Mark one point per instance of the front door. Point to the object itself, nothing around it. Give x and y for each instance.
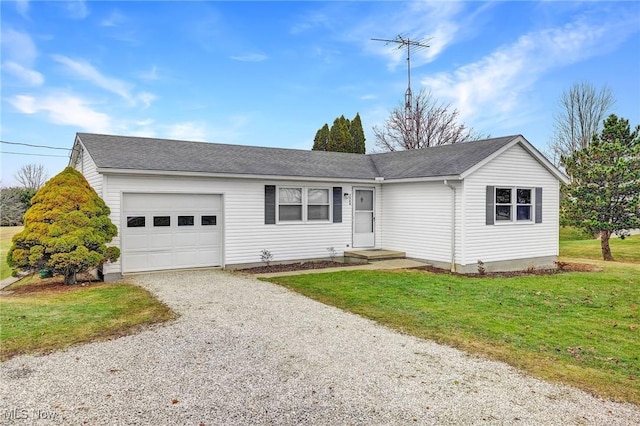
(363, 218)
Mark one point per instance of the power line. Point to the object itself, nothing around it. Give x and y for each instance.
(35, 146)
(37, 155)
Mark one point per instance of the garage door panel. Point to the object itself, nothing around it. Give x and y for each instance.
(135, 242)
(162, 244)
(160, 260)
(208, 238)
(205, 256)
(135, 262)
(186, 258)
(161, 241)
(186, 239)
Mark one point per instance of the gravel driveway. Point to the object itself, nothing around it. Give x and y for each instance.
(248, 352)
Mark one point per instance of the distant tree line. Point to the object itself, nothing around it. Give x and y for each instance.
(15, 200)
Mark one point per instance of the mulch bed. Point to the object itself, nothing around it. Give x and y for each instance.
(286, 267)
(562, 267)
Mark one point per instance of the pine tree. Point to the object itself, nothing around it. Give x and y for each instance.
(344, 136)
(65, 229)
(604, 193)
(358, 135)
(321, 140)
(340, 139)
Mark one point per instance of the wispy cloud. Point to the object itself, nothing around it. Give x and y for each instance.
(19, 54)
(64, 109)
(77, 9)
(250, 57)
(115, 19)
(146, 98)
(88, 72)
(437, 24)
(18, 47)
(22, 6)
(27, 76)
(496, 86)
(188, 130)
(150, 75)
(310, 21)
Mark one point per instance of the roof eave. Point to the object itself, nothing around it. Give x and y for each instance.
(140, 172)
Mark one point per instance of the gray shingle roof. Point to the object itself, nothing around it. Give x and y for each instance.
(444, 160)
(136, 153)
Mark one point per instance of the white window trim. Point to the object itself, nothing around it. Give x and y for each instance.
(305, 205)
(514, 206)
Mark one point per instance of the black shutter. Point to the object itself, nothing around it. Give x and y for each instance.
(490, 206)
(337, 204)
(538, 205)
(269, 204)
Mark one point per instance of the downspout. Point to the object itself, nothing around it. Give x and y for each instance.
(453, 225)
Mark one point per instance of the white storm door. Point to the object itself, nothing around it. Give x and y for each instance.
(363, 218)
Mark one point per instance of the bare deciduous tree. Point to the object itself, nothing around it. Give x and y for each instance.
(426, 123)
(582, 110)
(31, 176)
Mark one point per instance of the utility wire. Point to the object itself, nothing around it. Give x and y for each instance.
(37, 155)
(35, 146)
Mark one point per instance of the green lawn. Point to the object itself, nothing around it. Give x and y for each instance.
(6, 233)
(627, 250)
(581, 328)
(39, 318)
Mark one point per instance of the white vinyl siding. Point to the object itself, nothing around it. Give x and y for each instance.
(416, 219)
(244, 233)
(515, 168)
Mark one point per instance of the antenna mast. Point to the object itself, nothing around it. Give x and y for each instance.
(402, 42)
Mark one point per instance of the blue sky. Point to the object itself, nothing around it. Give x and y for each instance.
(272, 73)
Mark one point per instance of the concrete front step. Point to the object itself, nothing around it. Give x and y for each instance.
(375, 254)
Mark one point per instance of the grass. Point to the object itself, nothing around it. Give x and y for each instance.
(627, 250)
(581, 328)
(42, 316)
(572, 233)
(6, 233)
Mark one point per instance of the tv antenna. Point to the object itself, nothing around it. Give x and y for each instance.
(403, 42)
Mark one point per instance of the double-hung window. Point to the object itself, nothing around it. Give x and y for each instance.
(303, 204)
(317, 204)
(523, 204)
(290, 204)
(513, 203)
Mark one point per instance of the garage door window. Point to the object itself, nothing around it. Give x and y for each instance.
(162, 221)
(135, 221)
(208, 221)
(185, 220)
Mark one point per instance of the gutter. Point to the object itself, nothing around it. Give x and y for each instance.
(453, 224)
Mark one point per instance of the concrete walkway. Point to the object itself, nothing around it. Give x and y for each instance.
(377, 265)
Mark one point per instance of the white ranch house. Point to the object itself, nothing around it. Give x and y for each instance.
(180, 204)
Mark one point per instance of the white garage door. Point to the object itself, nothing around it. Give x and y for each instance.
(171, 231)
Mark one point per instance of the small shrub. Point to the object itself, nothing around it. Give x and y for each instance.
(266, 256)
(481, 269)
(332, 253)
